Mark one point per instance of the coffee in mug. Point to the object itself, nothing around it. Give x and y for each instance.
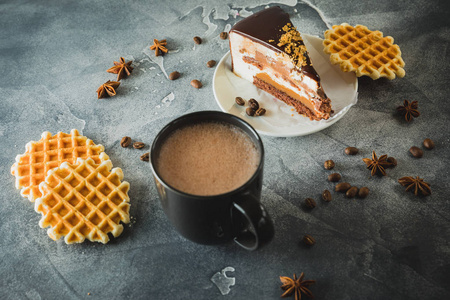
(208, 158)
(208, 170)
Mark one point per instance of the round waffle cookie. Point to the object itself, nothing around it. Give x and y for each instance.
(84, 200)
(49, 152)
(363, 51)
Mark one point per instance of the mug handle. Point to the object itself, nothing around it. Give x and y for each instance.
(256, 228)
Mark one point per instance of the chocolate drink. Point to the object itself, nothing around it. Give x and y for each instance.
(208, 158)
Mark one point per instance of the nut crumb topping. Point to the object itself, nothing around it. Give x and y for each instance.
(294, 46)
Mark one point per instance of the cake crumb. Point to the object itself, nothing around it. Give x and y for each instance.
(293, 44)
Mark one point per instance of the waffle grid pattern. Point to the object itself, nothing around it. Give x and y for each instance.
(363, 51)
(85, 200)
(50, 152)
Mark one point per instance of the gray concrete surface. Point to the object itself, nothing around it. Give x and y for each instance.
(391, 245)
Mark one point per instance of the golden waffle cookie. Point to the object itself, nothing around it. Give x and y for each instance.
(364, 51)
(84, 200)
(50, 152)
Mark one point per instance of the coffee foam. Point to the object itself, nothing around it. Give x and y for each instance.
(208, 158)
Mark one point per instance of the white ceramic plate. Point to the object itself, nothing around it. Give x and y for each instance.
(280, 119)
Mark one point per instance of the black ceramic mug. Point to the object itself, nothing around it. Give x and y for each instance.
(216, 219)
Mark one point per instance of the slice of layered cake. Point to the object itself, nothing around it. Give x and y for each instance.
(267, 49)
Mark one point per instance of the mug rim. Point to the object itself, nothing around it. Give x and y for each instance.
(191, 115)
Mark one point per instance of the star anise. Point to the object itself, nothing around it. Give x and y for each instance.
(377, 165)
(121, 68)
(297, 286)
(159, 46)
(107, 89)
(409, 110)
(417, 183)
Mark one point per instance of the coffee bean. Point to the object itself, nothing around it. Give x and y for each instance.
(334, 177)
(392, 161)
(351, 150)
(196, 83)
(428, 143)
(197, 40)
(253, 104)
(211, 63)
(363, 192)
(416, 152)
(240, 101)
(174, 75)
(250, 111)
(326, 195)
(145, 156)
(308, 240)
(223, 35)
(138, 145)
(260, 111)
(329, 164)
(310, 203)
(125, 141)
(342, 187)
(351, 193)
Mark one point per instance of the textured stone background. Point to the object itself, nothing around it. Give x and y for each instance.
(392, 245)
